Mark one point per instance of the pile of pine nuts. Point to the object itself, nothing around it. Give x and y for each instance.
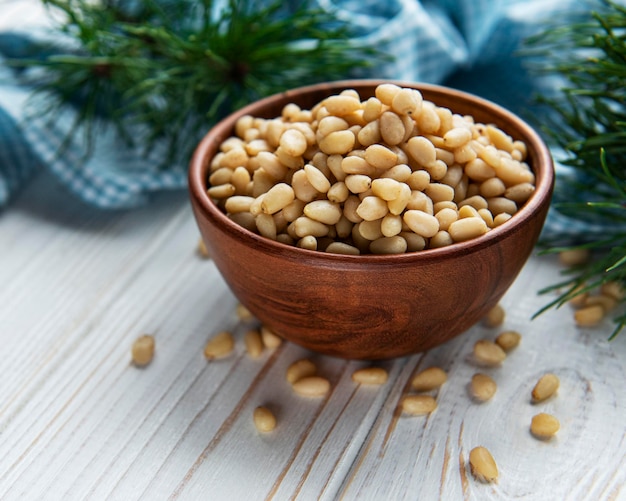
(390, 174)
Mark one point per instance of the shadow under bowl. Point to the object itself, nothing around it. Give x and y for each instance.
(371, 306)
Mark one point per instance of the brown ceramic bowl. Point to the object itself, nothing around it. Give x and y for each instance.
(371, 306)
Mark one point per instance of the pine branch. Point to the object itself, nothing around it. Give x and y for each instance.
(165, 70)
(587, 120)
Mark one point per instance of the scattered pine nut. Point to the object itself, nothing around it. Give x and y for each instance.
(264, 419)
(589, 316)
(418, 405)
(488, 353)
(311, 386)
(142, 350)
(482, 387)
(607, 302)
(482, 465)
(370, 375)
(300, 369)
(243, 313)
(253, 342)
(613, 289)
(202, 250)
(578, 300)
(508, 340)
(547, 386)
(544, 426)
(573, 257)
(429, 379)
(219, 346)
(270, 339)
(494, 317)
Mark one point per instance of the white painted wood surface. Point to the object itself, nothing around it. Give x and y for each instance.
(79, 422)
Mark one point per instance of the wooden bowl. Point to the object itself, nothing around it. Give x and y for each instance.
(371, 306)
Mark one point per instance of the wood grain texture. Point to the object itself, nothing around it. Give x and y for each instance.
(78, 421)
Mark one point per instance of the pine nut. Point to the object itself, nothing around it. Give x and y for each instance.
(429, 379)
(441, 239)
(388, 245)
(544, 426)
(508, 340)
(418, 405)
(221, 191)
(482, 387)
(499, 205)
(243, 313)
(219, 346)
(589, 316)
(372, 208)
(483, 465)
(293, 142)
(339, 142)
(607, 302)
(547, 386)
(391, 128)
(142, 351)
(407, 102)
(494, 317)
(278, 197)
(323, 211)
(391, 225)
(317, 179)
(386, 92)
(370, 375)
(305, 226)
(341, 105)
(202, 249)
(311, 386)
(372, 108)
(613, 289)
(264, 419)
(457, 137)
(421, 223)
(519, 193)
(422, 151)
(467, 228)
(493, 187)
(397, 205)
(387, 188)
(488, 353)
(343, 248)
(428, 121)
(270, 339)
(254, 343)
(300, 369)
(380, 156)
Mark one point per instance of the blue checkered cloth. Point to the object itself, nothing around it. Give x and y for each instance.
(467, 44)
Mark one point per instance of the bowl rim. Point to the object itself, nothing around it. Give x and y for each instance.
(544, 184)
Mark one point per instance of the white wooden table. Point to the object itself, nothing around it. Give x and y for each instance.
(79, 421)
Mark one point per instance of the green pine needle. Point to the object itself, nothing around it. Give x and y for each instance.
(171, 69)
(587, 120)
